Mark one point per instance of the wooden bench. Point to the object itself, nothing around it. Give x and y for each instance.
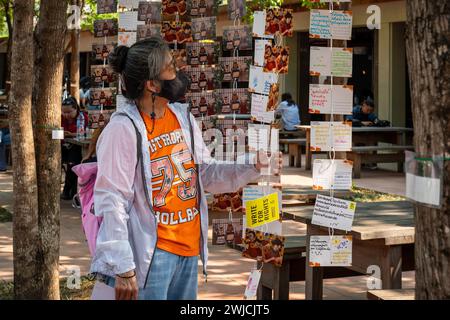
(394, 294)
(365, 154)
(295, 150)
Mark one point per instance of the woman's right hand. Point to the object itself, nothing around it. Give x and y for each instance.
(126, 288)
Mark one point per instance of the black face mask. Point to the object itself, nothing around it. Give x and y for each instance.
(174, 90)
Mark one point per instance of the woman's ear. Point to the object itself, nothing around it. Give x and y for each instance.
(153, 86)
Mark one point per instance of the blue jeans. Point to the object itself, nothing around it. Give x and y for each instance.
(171, 277)
(5, 139)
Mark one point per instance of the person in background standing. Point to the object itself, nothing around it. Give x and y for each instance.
(71, 153)
(289, 112)
(5, 139)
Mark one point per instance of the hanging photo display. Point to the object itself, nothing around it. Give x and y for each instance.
(202, 78)
(276, 59)
(106, 6)
(279, 21)
(266, 245)
(180, 58)
(102, 74)
(172, 8)
(225, 202)
(335, 25)
(128, 4)
(327, 99)
(98, 118)
(149, 12)
(127, 38)
(337, 62)
(147, 31)
(102, 51)
(202, 103)
(226, 231)
(260, 81)
(235, 69)
(236, 9)
(234, 100)
(106, 28)
(204, 28)
(202, 53)
(239, 37)
(177, 31)
(326, 251)
(105, 97)
(205, 8)
(128, 21)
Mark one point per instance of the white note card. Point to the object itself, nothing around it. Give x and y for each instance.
(333, 213)
(128, 21)
(252, 284)
(259, 109)
(332, 174)
(258, 137)
(327, 99)
(260, 81)
(260, 49)
(326, 251)
(337, 62)
(328, 135)
(331, 25)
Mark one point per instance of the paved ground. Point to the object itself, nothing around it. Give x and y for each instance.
(228, 271)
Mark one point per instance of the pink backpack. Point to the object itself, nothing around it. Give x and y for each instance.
(87, 173)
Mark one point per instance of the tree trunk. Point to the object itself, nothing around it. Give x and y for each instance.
(9, 23)
(27, 254)
(75, 60)
(50, 40)
(428, 53)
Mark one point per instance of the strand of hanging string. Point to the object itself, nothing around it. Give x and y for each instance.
(332, 152)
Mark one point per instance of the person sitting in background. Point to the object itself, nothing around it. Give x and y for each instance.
(364, 113)
(5, 139)
(289, 112)
(71, 153)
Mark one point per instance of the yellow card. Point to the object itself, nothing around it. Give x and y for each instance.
(262, 210)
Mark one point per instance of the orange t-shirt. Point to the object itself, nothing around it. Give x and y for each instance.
(174, 185)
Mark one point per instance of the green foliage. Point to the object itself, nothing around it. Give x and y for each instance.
(312, 5)
(258, 5)
(90, 15)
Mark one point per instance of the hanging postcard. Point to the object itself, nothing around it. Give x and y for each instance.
(326, 251)
(268, 246)
(128, 4)
(127, 38)
(260, 81)
(103, 96)
(327, 99)
(204, 28)
(177, 31)
(106, 6)
(333, 213)
(102, 51)
(238, 37)
(202, 53)
(201, 8)
(106, 28)
(236, 9)
(149, 12)
(147, 31)
(279, 21)
(233, 100)
(128, 21)
(326, 136)
(102, 74)
(260, 51)
(335, 25)
(332, 174)
(276, 59)
(172, 8)
(337, 62)
(235, 69)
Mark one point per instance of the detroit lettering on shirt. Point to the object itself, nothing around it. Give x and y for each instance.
(174, 186)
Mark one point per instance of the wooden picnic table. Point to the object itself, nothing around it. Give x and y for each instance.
(383, 235)
(369, 136)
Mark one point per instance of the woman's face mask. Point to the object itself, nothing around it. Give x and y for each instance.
(174, 90)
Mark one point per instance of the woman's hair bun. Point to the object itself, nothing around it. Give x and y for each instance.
(118, 58)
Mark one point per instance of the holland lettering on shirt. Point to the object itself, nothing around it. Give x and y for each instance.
(172, 218)
(165, 140)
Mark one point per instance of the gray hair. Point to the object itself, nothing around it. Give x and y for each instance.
(139, 63)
